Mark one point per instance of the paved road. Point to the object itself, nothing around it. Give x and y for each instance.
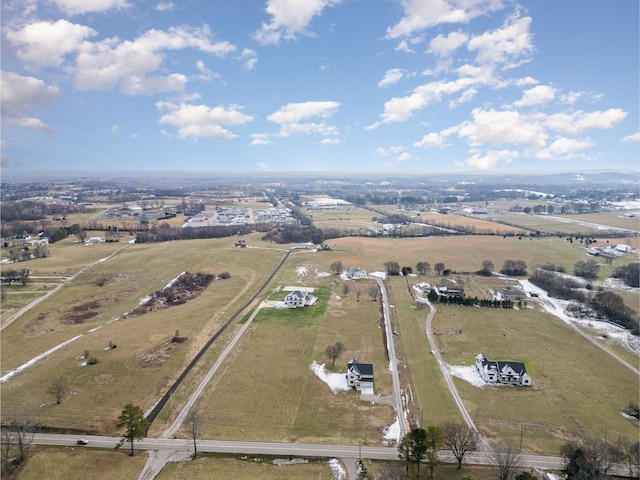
(161, 445)
(393, 361)
(554, 307)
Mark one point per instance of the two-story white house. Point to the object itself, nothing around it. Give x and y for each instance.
(355, 273)
(502, 372)
(360, 376)
(298, 298)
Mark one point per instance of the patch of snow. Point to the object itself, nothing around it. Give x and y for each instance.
(336, 381)
(10, 374)
(338, 472)
(322, 274)
(174, 280)
(382, 275)
(392, 432)
(338, 298)
(302, 270)
(468, 374)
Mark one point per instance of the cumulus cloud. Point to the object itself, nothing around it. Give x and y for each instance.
(420, 15)
(635, 137)
(202, 120)
(431, 140)
(165, 6)
(563, 148)
(292, 116)
(75, 7)
(443, 46)
(289, 19)
(44, 43)
(261, 139)
(536, 95)
(249, 58)
(391, 76)
(576, 122)
(491, 158)
(510, 44)
(111, 63)
(19, 94)
(400, 109)
(503, 127)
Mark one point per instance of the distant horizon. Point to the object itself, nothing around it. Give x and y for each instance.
(48, 174)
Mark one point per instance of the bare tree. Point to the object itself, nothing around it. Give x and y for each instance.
(507, 460)
(58, 389)
(337, 267)
(194, 421)
(345, 288)
(374, 290)
(393, 268)
(16, 437)
(439, 268)
(358, 291)
(423, 267)
(334, 351)
(460, 439)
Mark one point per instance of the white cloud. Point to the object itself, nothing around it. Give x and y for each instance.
(525, 81)
(404, 156)
(289, 19)
(510, 44)
(202, 120)
(74, 7)
(19, 94)
(249, 57)
(635, 137)
(536, 95)
(261, 139)
(205, 73)
(563, 148)
(571, 97)
(431, 140)
(400, 109)
(111, 63)
(491, 158)
(444, 46)
(44, 43)
(165, 6)
(579, 121)
(291, 116)
(503, 127)
(391, 76)
(420, 15)
(135, 85)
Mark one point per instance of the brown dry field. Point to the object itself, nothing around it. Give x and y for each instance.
(94, 300)
(245, 399)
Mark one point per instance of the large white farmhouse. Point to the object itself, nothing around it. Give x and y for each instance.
(492, 371)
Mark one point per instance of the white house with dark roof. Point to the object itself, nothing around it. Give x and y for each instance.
(298, 298)
(502, 372)
(355, 273)
(360, 376)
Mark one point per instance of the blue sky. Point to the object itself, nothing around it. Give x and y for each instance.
(320, 85)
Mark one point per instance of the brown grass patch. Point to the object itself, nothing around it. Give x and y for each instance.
(160, 354)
